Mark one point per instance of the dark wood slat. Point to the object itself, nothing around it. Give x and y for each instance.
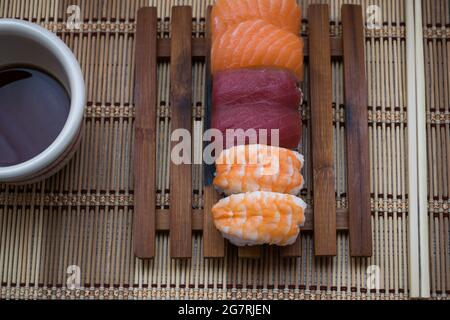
(294, 250)
(335, 47)
(163, 220)
(322, 131)
(145, 134)
(253, 252)
(213, 242)
(199, 48)
(357, 132)
(181, 118)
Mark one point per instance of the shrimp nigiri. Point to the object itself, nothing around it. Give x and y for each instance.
(257, 167)
(256, 218)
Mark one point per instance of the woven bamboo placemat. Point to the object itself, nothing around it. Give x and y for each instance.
(82, 216)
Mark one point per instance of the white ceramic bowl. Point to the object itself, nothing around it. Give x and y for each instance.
(25, 43)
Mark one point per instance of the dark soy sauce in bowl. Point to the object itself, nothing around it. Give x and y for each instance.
(34, 107)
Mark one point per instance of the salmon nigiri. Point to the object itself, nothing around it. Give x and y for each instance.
(256, 43)
(246, 168)
(284, 14)
(259, 217)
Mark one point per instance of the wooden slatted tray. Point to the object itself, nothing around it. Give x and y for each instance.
(180, 219)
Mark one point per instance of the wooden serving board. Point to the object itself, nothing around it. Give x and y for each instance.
(323, 218)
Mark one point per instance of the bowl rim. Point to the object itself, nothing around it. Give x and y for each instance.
(74, 120)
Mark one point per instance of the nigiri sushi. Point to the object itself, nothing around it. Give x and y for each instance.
(242, 124)
(284, 14)
(256, 43)
(255, 88)
(259, 217)
(247, 168)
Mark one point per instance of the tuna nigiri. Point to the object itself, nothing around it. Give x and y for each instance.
(258, 168)
(259, 217)
(256, 43)
(242, 124)
(284, 14)
(255, 88)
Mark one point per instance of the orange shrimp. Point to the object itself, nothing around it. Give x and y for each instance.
(258, 167)
(259, 217)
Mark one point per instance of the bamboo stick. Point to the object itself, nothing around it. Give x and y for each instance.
(417, 154)
(414, 251)
(421, 155)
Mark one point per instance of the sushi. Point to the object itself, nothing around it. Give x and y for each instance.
(247, 168)
(255, 88)
(243, 124)
(284, 14)
(259, 217)
(256, 61)
(256, 43)
(264, 99)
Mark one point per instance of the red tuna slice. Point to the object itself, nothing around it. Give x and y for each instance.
(255, 88)
(247, 116)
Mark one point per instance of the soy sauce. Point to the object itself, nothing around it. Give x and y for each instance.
(34, 107)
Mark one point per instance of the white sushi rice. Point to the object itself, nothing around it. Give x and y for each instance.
(299, 157)
(303, 205)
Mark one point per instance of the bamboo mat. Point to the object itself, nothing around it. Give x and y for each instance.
(83, 215)
(436, 23)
